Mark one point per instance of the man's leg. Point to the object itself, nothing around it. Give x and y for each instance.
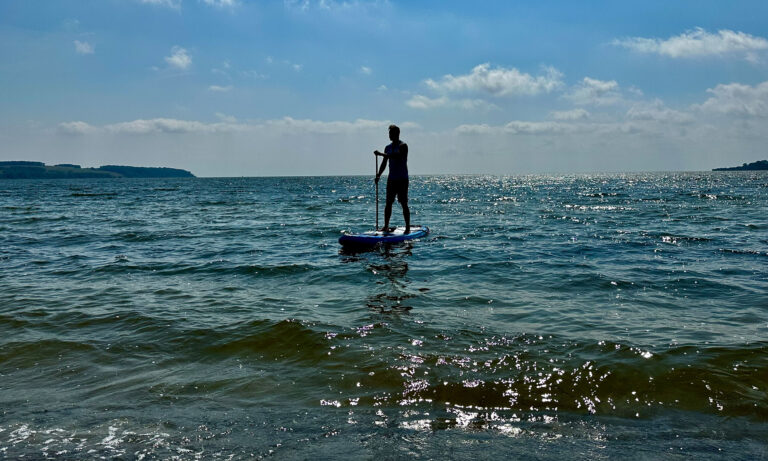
(402, 196)
(387, 215)
(388, 206)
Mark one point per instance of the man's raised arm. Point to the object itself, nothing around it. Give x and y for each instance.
(383, 164)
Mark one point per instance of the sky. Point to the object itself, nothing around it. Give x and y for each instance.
(309, 87)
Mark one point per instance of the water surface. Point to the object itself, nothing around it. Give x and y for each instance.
(588, 316)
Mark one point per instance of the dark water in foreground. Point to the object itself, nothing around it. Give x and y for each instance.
(544, 317)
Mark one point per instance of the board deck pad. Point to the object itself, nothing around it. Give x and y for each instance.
(371, 238)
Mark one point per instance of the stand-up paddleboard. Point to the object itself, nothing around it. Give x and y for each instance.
(375, 237)
(372, 238)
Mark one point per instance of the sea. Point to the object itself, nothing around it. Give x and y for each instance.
(594, 316)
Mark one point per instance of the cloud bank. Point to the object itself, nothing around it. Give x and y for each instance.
(499, 81)
(737, 99)
(423, 102)
(574, 114)
(591, 91)
(227, 125)
(698, 43)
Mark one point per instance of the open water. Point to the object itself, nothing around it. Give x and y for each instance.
(545, 317)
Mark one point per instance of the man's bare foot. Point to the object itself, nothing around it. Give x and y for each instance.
(386, 229)
(408, 229)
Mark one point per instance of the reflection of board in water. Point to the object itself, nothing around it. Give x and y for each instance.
(394, 281)
(372, 238)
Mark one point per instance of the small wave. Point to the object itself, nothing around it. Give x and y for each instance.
(214, 203)
(41, 219)
(146, 236)
(604, 378)
(286, 339)
(137, 236)
(599, 207)
(27, 353)
(744, 252)
(675, 239)
(603, 194)
(93, 194)
(217, 267)
(715, 196)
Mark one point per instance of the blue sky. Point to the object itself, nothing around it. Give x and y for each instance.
(238, 87)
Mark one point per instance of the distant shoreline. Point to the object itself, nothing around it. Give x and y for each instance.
(754, 166)
(38, 170)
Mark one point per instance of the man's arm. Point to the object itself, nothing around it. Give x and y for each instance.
(402, 151)
(383, 165)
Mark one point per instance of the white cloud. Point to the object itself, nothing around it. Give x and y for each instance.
(475, 129)
(353, 6)
(658, 112)
(296, 67)
(254, 75)
(591, 91)
(223, 70)
(175, 4)
(302, 5)
(564, 127)
(522, 127)
(698, 43)
(83, 47)
(221, 3)
(225, 118)
(71, 25)
(366, 70)
(525, 127)
(737, 99)
(520, 146)
(179, 58)
(169, 125)
(335, 127)
(229, 124)
(499, 81)
(574, 114)
(220, 89)
(76, 128)
(423, 102)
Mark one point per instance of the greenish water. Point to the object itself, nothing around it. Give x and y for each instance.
(589, 316)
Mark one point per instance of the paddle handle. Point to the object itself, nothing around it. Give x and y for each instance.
(375, 172)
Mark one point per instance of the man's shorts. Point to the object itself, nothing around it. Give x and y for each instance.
(397, 188)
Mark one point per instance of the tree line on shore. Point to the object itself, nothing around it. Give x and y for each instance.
(23, 169)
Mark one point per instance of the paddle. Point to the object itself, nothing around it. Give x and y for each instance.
(375, 172)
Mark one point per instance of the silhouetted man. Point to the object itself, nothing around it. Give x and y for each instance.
(396, 154)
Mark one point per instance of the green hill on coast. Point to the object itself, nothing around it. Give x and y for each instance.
(39, 170)
(759, 165)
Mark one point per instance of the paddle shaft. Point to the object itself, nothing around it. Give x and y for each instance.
(375, 173)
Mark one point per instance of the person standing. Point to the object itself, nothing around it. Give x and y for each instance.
(396, 156)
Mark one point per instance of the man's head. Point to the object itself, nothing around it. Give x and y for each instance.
(394, 133)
